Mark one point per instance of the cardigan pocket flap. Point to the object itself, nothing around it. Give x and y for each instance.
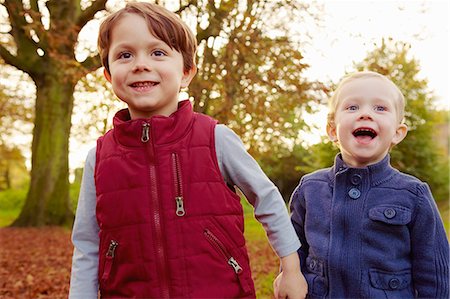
(395, 215)
(390, 280)
(314, 265)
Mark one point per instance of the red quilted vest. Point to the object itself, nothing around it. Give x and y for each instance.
(169, 225)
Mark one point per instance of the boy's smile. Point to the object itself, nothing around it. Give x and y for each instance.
(366, 123)
(143, 86)
(145, 72)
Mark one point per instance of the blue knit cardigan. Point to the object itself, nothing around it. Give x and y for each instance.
(370, 232)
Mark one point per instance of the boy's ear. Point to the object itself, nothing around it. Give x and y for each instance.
(107, 75)
(188, 76)
(331, 131)
(400, 134)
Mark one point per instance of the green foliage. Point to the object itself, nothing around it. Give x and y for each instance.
(12, 199)
(74, 190)
(13, 173)
(11, 202)
(422, 153)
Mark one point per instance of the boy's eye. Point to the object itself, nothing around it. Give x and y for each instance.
(158, 53)
(124, 55)
(380, 108)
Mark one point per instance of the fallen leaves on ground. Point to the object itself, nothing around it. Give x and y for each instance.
(35, 262)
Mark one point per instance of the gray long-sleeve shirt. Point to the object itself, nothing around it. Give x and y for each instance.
(237, 168)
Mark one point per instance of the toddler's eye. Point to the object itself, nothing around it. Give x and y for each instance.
(158, 53)
(380, 108)
(352, 107)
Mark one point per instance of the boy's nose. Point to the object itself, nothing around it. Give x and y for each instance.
(141, 65)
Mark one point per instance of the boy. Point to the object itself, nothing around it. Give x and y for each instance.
(155, 217)
(368, 230)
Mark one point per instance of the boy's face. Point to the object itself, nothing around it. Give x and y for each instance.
(144, 71)
(366, 123)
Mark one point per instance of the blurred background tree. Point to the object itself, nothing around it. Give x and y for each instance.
(41, 41)
(15, 118)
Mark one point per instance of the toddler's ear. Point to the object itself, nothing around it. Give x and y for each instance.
(331, 131)
(188, 76)
(107, 75)
(400, 134)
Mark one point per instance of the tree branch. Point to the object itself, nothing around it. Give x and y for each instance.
(89, 13)
(34, 5)
(91, 63)
(183, 7)
(16, 16)
(11, 59)
(40, 31)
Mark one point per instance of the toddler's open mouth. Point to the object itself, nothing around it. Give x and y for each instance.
(364, 133)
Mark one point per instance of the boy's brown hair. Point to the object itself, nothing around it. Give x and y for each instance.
(162, 23)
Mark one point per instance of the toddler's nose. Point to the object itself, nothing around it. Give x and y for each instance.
(365, 114)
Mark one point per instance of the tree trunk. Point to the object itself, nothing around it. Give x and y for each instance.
(48, 201)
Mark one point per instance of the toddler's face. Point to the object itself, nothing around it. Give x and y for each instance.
(145, 72)
(366, 123)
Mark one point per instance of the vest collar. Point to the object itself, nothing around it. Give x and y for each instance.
(162, 129)
(378, 173)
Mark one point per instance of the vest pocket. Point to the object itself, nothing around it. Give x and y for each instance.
(109, 259)
(178, 185)
(218, 245)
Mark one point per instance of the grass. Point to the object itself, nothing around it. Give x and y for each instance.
(444, 209)
(263, 260)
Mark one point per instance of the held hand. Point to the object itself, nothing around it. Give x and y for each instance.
(291, 286)
(290, 283)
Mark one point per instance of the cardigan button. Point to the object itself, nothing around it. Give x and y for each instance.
(354, 193)
(355, 179)
(389, 213)
(394, 283)
(312, 264)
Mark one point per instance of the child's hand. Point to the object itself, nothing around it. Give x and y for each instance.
(290, 286)
(290, 283)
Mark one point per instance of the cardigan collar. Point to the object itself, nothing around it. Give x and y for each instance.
(378, 172)
(161, 129)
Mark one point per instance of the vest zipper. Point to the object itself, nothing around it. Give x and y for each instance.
(220, 247)
(176, 169)
(109, 259)
(159, 240)
(145, 135)
(216, 243)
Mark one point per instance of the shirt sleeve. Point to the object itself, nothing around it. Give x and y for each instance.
(84, 279)
(240, 169)
(430, 248)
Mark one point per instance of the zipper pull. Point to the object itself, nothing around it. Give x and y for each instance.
(233, 263)
(180, 206)
(145, 128)
(112, 248)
